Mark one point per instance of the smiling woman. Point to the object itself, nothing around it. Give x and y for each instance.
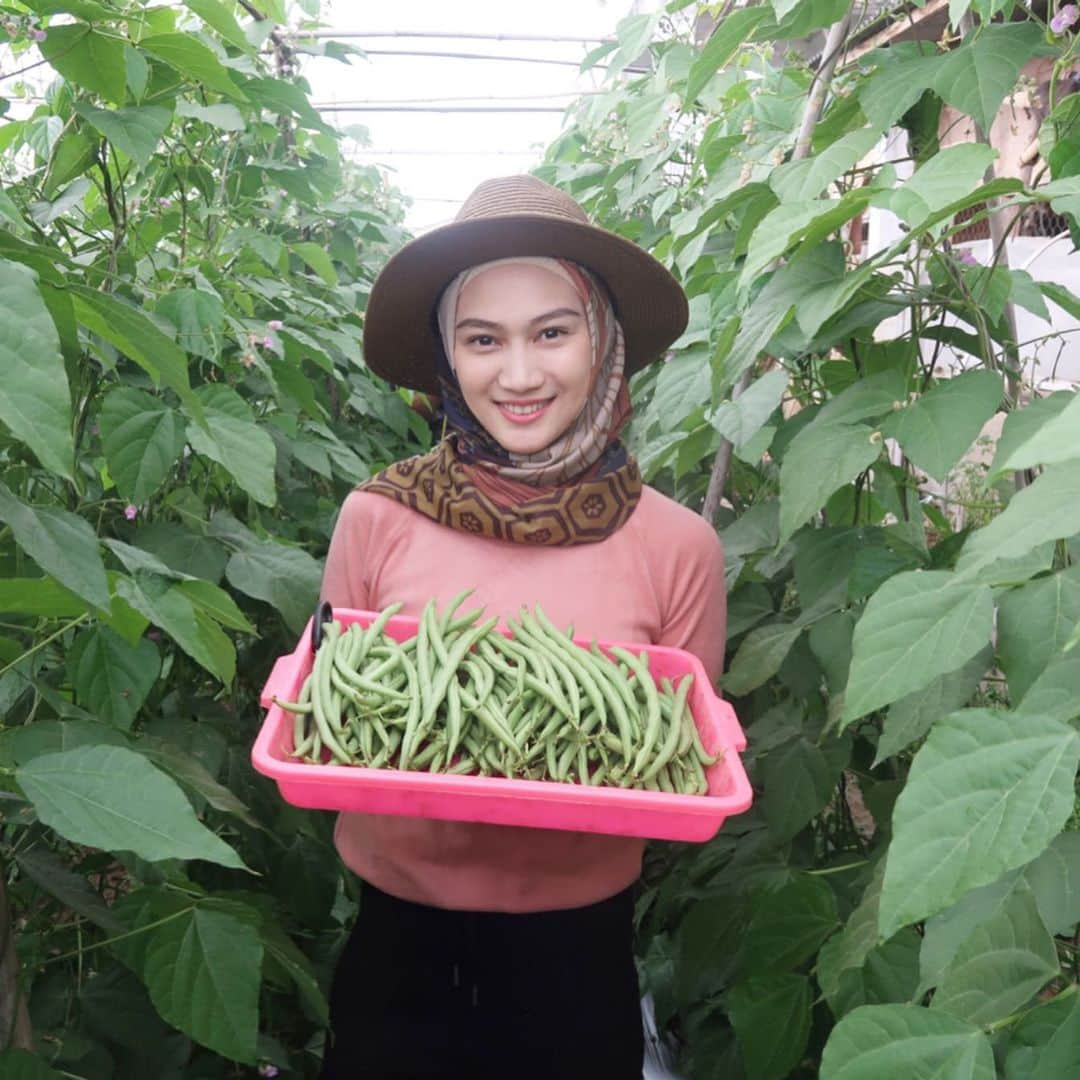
(527, 320)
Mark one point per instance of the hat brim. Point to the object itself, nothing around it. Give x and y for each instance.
(401, 344)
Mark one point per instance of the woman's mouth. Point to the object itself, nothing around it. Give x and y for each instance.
(523, 412)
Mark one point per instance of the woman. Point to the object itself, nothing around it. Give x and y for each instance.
(485, 950)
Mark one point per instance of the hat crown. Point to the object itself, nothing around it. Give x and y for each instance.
(512, 196)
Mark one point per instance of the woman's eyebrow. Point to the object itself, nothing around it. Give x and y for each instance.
(487, 324)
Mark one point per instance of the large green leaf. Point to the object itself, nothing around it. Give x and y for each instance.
(167, 606)
(315, 256)
(910, 718)
(218, 15)
(202, 966)
(142, 439)
(799, 780)
(18, 1064)
(940, 426)
(112, 798)
(824, 456)
(1023, 425)
(726, 39)
(61, 543)
(55, 875)
(288, 578)
(1054, 878)
(193, 60)
(917, 626)
(847, 951)
(88, 58)
(135, 131)
(1044, 1043)
(741, 419)
(35, 402)
(135, 335)
(948, 176)
(1006, 960)
(1057, 439)
(807, 179)
(112, 678)
(905, 1041)
(896, 86)
(771, 1017)
(976, 77)
(223, 116)
(1034, 623)
(39, 596)
(1048, 509)
(199, 318)
(987, 791)
(236, 442)
(790, 924)
(759, 657)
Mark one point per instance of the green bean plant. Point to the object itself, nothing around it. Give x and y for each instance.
(903, 897)
(185, 257)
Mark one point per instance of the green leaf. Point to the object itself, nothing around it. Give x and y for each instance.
(1044, 1043)
(976, 77)
(61, 543)
(725, 41)
(799, 781)
(905, 1041)
(287, 578)
(1056, 692)
(1057, 439)
(740, 420)
(88, 58)
(77, 793)
(280, 948)
(1054, 878)
(1048, 509)
(771, 1017)
(947, 177)
(28, 741)
(220, 18)
(22, 1065)
(236, 442)
(217, 603)
(224, 117)
(51, 873)
(35, 402)
(910, 718)
(315, 256)
(808, 179)
(39, 596)
(1005, 961)
(202, 968)
(167, 607)
(896, 86)
(824, 456)
(111, 678)
(194, 60)
(937, 429)
(780, 228)
(1034, 623)
(1024, 424)
(847, 951)
(790, 924)
(917, 626)
(135, 335)
(986, 792)
(142, 439)
(759, 657)
(134, 131)
(199, 318)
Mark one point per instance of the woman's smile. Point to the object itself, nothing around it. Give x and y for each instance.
(524, 412)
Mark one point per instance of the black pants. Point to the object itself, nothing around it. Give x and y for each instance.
(424, 992)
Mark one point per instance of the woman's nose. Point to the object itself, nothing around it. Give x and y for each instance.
(520, 372)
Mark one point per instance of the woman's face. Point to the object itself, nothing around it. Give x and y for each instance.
(522, 355)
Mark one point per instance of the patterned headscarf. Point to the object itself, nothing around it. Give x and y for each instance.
(579, 489)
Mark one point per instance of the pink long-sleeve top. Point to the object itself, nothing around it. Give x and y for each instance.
(657, 580)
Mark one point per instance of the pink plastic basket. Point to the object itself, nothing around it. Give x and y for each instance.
(497, 800)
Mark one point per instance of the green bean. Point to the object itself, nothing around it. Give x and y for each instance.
(412, 717)
(453, 719)
(674, 731)
(321, 694)
(446, 619)
(455, 657)
(652, 704)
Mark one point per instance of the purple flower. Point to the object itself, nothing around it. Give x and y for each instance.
(267, 342)
(963, 255)
(164, 203)
(275, 324)
(268, 1070)
(131, 511)
(38, 35)
(1065, 18)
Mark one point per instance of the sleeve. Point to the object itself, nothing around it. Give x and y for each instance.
(344, 583)
(695, 616)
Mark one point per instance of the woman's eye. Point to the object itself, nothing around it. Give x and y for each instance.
(483, 340)
(550, 333)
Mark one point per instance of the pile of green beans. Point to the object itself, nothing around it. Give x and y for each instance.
(462, 698)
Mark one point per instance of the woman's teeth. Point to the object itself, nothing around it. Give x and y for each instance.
(524, 410)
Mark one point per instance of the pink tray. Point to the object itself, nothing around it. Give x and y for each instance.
(539, 804)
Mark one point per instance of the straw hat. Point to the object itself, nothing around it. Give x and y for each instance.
(513, 215)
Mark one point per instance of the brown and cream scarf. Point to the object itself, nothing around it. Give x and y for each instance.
(579, 490)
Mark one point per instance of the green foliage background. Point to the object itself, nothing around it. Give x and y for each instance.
(184, 263)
